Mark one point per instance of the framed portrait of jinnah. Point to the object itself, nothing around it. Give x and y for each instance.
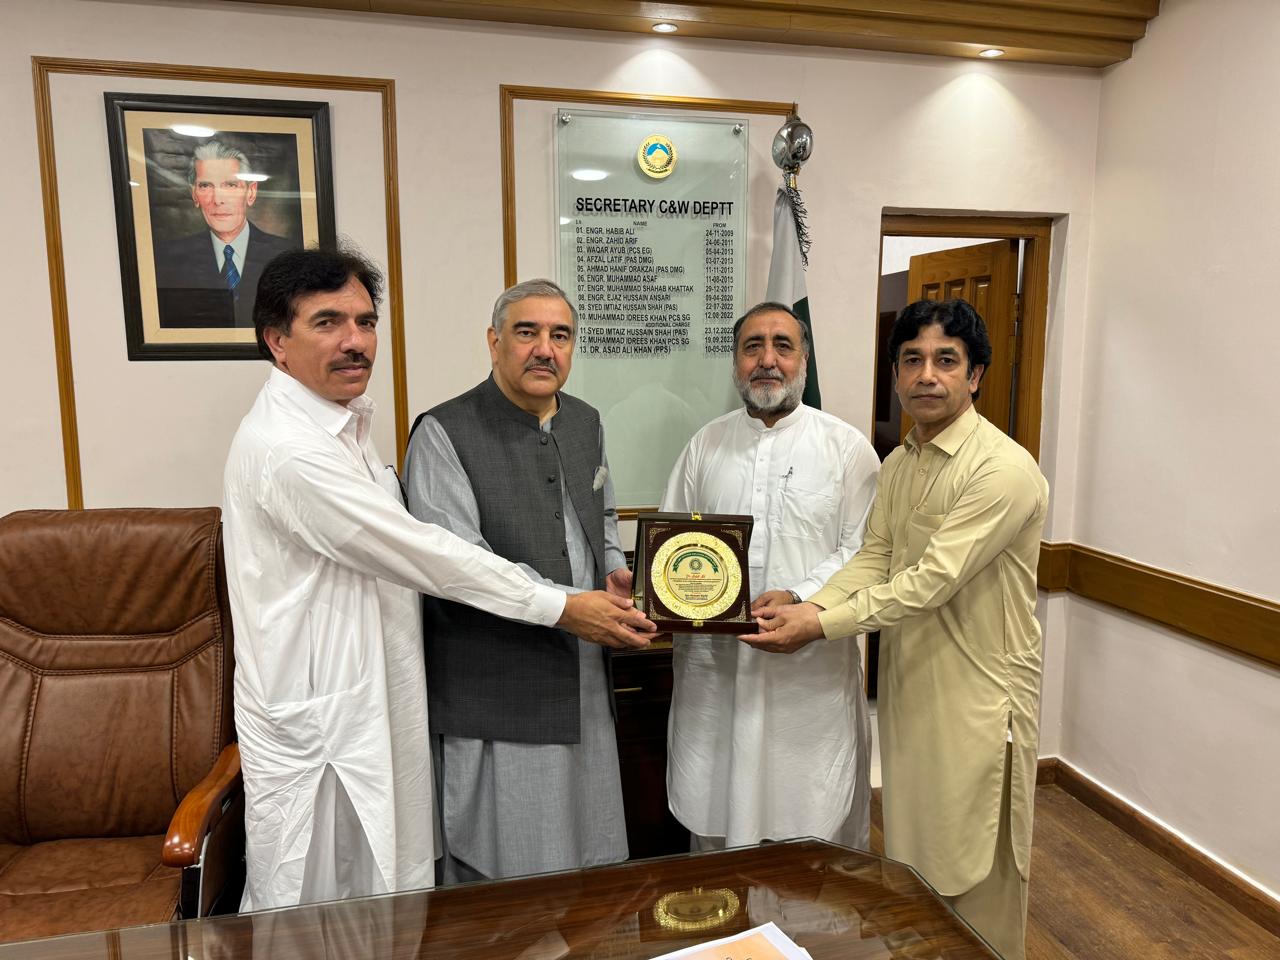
(207, 191)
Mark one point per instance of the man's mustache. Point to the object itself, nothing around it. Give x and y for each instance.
(352, 360)
(768, 375)
(549, 365)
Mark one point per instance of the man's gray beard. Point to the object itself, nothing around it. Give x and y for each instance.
(760, 398)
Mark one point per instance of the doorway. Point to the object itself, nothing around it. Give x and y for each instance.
(1001, 266)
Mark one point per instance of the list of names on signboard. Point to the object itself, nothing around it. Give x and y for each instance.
(652, 221)
(632, 304)
(627, 301)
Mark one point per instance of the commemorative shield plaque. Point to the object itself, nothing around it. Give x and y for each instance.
(690, 572)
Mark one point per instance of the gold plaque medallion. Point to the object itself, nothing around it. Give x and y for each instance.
(696, 575)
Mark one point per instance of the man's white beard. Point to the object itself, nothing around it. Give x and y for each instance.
(771, 396)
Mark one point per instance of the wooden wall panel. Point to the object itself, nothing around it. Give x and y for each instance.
(1055, 559)
(1239, 622)
(1087, 33)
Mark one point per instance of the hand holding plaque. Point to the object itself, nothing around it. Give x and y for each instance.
(691, 572)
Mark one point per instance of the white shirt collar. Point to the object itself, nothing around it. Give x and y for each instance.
(239, 244)
(331, 417)
(792, 418)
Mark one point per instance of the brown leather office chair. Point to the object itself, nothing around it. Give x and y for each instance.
(120, 794)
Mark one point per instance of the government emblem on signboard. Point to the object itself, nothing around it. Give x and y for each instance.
(657, 156)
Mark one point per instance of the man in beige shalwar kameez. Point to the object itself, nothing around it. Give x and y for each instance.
(947, 573)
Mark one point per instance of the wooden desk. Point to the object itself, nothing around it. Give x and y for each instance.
(835, 902)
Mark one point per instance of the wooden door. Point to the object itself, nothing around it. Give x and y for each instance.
(986, 275)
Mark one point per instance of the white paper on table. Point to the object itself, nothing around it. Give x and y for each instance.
(765, 942)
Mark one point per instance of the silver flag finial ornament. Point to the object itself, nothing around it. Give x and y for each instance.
(793, 144)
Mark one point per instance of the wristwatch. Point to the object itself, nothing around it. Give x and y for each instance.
(795, 597)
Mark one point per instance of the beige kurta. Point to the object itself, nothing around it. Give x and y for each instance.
(947, 572)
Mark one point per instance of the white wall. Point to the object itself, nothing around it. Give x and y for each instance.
(1178, 460)
(31, 472)
(892, 131)
(1182, 730)
(1181, 355)
(1051, 611)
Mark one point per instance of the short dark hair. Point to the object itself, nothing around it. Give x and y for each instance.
(957, 318)
(771, 306)
(296, 273)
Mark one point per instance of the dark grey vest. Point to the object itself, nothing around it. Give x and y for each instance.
(495, 679)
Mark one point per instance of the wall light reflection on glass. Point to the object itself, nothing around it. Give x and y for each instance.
(192, 130)
(589, 174)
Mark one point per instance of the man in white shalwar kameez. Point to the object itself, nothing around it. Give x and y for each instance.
(764, 747)
(323, 568)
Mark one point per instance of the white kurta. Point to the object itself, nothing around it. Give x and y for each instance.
(323, 569)
(761, 745)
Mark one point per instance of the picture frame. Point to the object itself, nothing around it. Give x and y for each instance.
(193, 176)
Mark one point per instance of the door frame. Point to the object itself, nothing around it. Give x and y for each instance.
(1036, 231)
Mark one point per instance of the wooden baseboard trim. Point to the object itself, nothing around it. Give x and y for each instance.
(1047, 770)
(1249, 900)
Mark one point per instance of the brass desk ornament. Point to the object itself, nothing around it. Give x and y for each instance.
(696, 910)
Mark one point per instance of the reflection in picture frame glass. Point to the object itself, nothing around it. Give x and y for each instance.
(207, 191)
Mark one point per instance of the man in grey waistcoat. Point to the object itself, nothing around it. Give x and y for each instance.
(521, 716)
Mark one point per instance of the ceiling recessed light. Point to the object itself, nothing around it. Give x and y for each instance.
(589, 175)
(252, 177)
(192, 130)
(665, 27)
(991, 53)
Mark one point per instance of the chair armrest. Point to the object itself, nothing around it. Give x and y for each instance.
(201, 809)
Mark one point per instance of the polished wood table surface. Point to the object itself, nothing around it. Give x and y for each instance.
(833, 901)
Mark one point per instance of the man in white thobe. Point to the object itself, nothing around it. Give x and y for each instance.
(764, 747)
(323, 570)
